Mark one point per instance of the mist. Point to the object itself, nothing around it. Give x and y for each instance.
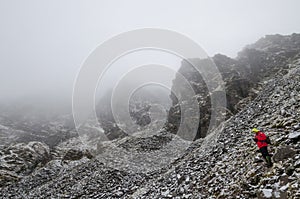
(44, 43)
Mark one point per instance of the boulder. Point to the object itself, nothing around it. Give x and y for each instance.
(76, 154)
(283, 153)
(295, 136)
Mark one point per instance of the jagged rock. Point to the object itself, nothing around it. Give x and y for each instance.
(107, 120)
(20, 159)
(140, 113)
(242, 76)
(77, 154)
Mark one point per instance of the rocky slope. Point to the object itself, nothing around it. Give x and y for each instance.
(28, 141)
(21, 159)
(269, 57)
(223, 164)
(227, 165)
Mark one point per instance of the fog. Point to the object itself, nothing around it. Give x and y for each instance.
(44, 43)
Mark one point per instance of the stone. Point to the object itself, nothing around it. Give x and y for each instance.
(283, 179)
(266, 193)
(290, 170)
(283, 153)
(297, 164)
(295, 136)
(73, 154)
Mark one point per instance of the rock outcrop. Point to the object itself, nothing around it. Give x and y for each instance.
(21, 159)
(270, 57)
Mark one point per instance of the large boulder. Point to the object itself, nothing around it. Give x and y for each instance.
(284, 153)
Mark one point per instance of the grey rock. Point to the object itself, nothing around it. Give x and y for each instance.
(283, 153)
(294, 136)
(290, 170)
(77, 154)
(21, 159)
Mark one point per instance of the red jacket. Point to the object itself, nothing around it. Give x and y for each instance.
(260, 139)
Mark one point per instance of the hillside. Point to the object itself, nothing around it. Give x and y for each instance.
(263, 91)
(270, 57)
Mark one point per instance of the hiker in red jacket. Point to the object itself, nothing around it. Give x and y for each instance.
(262, 143)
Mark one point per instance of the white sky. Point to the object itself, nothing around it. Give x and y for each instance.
(43, 43)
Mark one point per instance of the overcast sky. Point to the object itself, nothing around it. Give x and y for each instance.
(43, 43)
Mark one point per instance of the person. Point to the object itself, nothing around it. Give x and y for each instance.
(262, 143)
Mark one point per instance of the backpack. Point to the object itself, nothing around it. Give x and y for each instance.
(268, 140)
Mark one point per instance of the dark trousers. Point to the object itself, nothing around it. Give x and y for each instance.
(264, 151)
(266, 155)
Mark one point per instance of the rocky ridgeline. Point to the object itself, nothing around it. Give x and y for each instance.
(244, 76)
